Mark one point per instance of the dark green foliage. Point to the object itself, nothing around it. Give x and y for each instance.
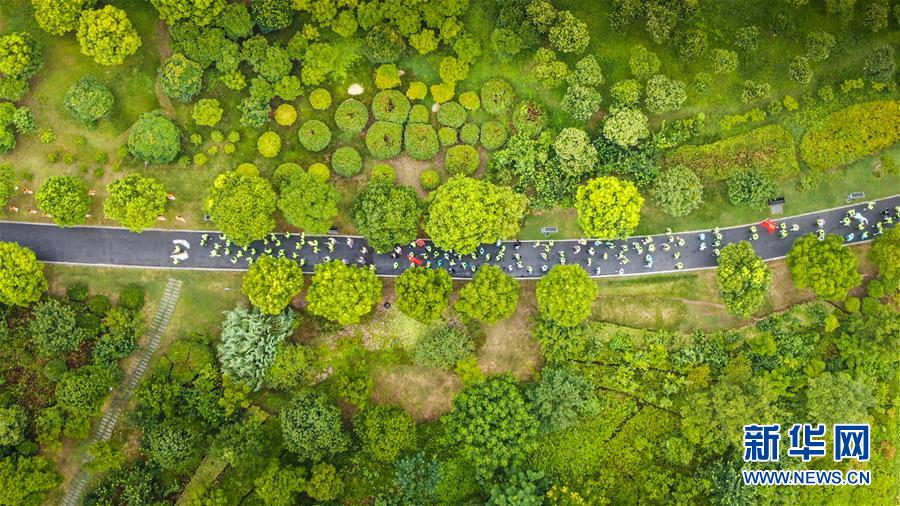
(77, 292)
(311, 427)
(387, 215)
(154, 139)
(309, 203)
(678, 191)
(172, 445)
(384, 44)
(879, 65)
(249, 341)
(384, 139)
(530, 118)
(89, 100)
(751, 188)
(385, 431)
(271, 15)
(444, 347)
(99, 305)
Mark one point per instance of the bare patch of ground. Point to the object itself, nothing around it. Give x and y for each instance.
(509, 346)
(423, 392)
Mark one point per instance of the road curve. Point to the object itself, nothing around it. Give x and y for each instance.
(680, 251)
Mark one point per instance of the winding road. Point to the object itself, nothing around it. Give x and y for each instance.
(205, 250)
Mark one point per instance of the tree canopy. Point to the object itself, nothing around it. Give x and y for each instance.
(825, 267)
(135, 201)
(608, 207)
(566, 294)
(154, 138)
(387, 215)
(343, 293)
(22, 278)
(744, 279)
(311, 427)
(65, 199)
(241, 206)
(309, 203)
(492, 295)
(249, 342)
(423, 293)
(271, 283)
(107, 35)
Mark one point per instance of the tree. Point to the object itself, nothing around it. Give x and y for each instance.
(54, 329)
(241, 206)
(492, 295)
(180, 78)
(385, 431)
(562, 398)
(196, 12)
(58, 17)
(569, 34)
(466, 212)
(311, 427)
(13, 422)
(135, 201)
(574, 151)
(744, 279)
(107, 35)
(800, 70)
(271, 283)
(387, 215)
(879, 65)
(664, 94)
(20, 56)
(271, 15)
(490, 425)
(89, 100)
(724, 61)
(154, 139)
(280, 484)
(566, 295)
(883, 254)
(825, 267)
(324, 483)
(65, 199)
(581, 102)
(309, 203)
(678, 191)
(423, 293)
(343, 293)
(839, 398)
(27, 480)
(608, 207)
(22, 278)
(207, 111)
(750, 187)
(445, 347)
(626, 126)
(249, 342)
(643, 62)
(462, 160)
(172, 445)
(819, 45)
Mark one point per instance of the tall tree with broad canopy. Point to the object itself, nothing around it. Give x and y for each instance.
(135, 201)
(65, 199)
(423, 294)
(58, 17)
(566, 294)
(271, 283)
(884, 254)
(608, 207)
(825, 267)
(343, 293)
(387, 215)
(107, 35)
(154, 138)
(744, 279)
(196, 12)
(54, 329)
(241, 206)
(311, 427)
(22, 278)
(249, 342)
(492, 295)
(464, 213)
(309, 203)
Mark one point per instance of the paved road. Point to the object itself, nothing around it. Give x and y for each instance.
(526, 259)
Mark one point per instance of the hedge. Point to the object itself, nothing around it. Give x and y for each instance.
(351, 116)
(314, 135)
(769, 149)
(384, 139)
(346, 161)
(850, 134)
(420, 141)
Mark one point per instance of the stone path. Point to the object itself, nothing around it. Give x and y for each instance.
(123, 394)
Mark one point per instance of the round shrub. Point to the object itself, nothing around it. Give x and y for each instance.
(384, 139)
(493, 135)
(470, 100)
(247, 169)
(417, 90)
(154, 138)
(451, 114)
(269, 144)
(430, 179)
(470, 133)
(420, 141)
(383, 173)
(447, 136)
(419, 114)
(351, 116)
(321, 171)
(530, 118)
(285, 172)
(320, 99)
(89, 100)
(132, 297)
(314, 135)
(390, 105)
(346, 161)
(285, 115)
(462, 159)
(497, 96)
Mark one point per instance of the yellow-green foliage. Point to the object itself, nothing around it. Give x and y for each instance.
(769, 149)
(852, 133)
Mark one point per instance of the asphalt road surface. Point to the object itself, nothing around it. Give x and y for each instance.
(674, 252)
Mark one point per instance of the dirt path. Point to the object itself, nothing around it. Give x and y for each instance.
(164, 46)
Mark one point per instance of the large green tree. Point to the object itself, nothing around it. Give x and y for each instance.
(309, 203)
(608, 207)
(58, 17)
(154, 138)
(566, 294)
(311, 427)
(107, 35)
(135, 201)
(241, 206)
(562, 398)
(825, 267)
(744, 279)
(249, 342)
(466, 212)
(387, 215)
(884, 255)
(271, 283)
(27, 480)
(196, 12)
(385, 431)
(678, 191)
(22, 278)
(65, 199)
(54, 329)
(20, 56)
(343, 293)
(89, 100)
(423, 293)
(491, 295)
(181, 78)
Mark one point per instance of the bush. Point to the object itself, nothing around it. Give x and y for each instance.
(462, 159)
(180, 78)
(664, 94)
(284, 172)
(800, 70)
(850, 134)
(269, 144)
(493, 135)
(470, 100)
(247, 169)
(387, 77)
(65, 198)
(384, 173)
(430, 179)
(677, 191)
(132, 297)
(754, 91)
(320, 171)
(88, 100)
(154, 138)
(879, 65)
(530, 118)
(314, 135)
(351, 116)
(497, 96)
(469, 134)
(751, 188)
(451, 114)
(423, 293)
(384, 139)
(643, 62)
(417, 91)
(444, 347)
(419, 114)
(626, 93)
(390, 105)
(566, 295)
(99, 305)
(320, 99)
(77, 292)
(625, 126)
(448, 136)
(420, 141)
(346, 161)
(285, 115)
